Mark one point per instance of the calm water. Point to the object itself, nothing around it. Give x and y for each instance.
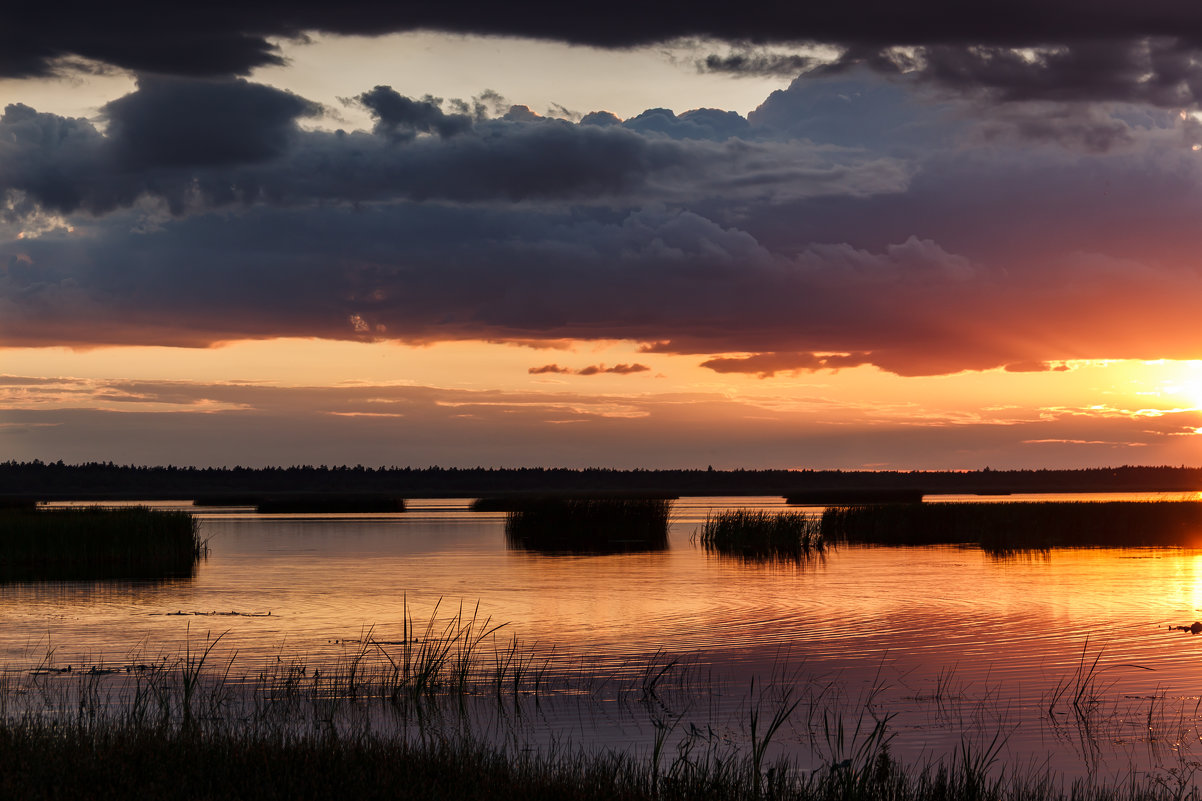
(955, 644)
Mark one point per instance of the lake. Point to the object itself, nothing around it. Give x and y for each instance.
(946, 645)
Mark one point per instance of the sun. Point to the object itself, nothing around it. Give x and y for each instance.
(1182, 383)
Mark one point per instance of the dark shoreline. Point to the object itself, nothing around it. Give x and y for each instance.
(106, 481)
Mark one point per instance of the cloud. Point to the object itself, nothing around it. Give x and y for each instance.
(173, 122)
(752, 62)
(592, 369)
(401, 118)
(766, 365)
(961, 43)
(1035, 367)
(927, 244)
(198, 145)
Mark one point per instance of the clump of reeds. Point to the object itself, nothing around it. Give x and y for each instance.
(94, 543)
(1014, 526)
(589, 525)
(759, 535)
(331, 504)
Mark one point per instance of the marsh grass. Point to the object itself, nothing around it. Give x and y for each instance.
(761, 536)
(330, 504)
(182, 728)
(95, 543)
(1005, 527)
(589, 525)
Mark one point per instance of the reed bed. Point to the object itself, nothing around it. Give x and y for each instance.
(762, 536)
(590, 525)
(1005, 527)
(331, 504)
(95, 543)
(184, 728)
(74, 749)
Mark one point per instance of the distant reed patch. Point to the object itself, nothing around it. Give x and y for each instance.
(762, 536)
(94, 543)
(589, 525)
(331, 504)
(1015, 526)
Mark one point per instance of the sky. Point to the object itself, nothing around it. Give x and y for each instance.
(871, 236)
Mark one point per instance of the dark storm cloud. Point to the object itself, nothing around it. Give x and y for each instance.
(171, 122)
(225, 38)
(400, 117)
(933, 245)
(202, 144)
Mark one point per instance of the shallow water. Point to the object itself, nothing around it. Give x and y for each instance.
(955, 644)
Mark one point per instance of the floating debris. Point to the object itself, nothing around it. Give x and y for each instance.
(1196, 628)
(211, 614)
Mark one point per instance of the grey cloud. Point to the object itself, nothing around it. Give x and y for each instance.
(705, 123)
(602, 118)
(751, 62)
(139, 35)
(173, 122)
(961, 252)
(400, 117)
(249, 150)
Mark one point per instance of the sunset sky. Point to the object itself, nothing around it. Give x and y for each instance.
(837, 235)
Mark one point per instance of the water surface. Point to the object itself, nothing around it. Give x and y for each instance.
(951, 642)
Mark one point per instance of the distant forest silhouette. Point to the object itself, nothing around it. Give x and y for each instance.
(96, 480)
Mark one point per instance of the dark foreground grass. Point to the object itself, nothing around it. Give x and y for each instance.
(41, 760)
(94, 543)
(589, 525)
(331, 504)
(1003, 527)
(761, 536)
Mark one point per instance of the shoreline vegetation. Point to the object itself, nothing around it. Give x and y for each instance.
(397, 719)
(107, 481)
(997, 528)
(91, 544)
(1005, 527)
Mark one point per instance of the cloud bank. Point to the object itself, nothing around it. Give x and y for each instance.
(854, 218)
